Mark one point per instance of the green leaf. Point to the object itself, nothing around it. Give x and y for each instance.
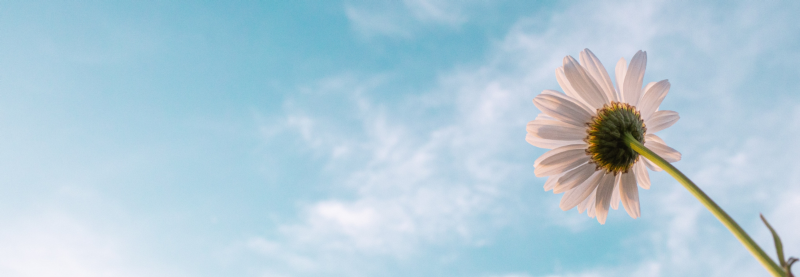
(778, 244)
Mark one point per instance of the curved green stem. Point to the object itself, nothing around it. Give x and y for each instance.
(726, 220)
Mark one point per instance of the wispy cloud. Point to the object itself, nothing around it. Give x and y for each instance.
(404, 18)
(407, 192)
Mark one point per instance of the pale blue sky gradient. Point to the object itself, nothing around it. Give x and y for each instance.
(364, 138)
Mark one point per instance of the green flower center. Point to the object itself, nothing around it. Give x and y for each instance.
(607, 147)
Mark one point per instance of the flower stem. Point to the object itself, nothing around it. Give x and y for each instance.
(726, 220)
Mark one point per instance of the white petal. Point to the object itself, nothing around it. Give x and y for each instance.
(598, 72)
(548, 143)
(661, 120)
(653, 137)
(564, 83)
(603, 198)
(632, 86)
(630, 194)
(642, 177)
(551, 182)
(560, 163)
(576, 195)
(652, 98)
(575, 99)
(619, 74)
(584, 204)
(561, 77)
(562, 108)
(558, 150)
(590, 210)
(543, 116)
(615, 195)
(584, 84)
(556, 130)
(560, 160)
(652, 166)
(649, 85)
(587, 204)
(574, 177)
(658, 146)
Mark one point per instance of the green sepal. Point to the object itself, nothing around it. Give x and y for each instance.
(777, 239)
(786, 265)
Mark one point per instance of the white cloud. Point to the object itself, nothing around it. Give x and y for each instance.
(59, 245)
(404, 18)
(404, 197)
(439, 11)
(371, 23)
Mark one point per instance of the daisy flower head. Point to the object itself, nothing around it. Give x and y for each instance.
(584, 126)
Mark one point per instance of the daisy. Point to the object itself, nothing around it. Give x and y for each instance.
(589, 161)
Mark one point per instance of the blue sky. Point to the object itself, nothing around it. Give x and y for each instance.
(375, 138)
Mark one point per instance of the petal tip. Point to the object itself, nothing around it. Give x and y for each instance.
(565, 61)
